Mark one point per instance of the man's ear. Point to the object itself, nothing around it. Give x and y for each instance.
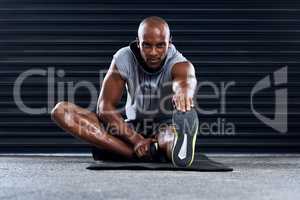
(137, 42)
(170, 40)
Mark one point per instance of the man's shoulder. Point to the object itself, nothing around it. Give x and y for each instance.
(123, 52)
(175, 56)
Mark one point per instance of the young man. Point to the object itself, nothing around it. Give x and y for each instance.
(160, 85)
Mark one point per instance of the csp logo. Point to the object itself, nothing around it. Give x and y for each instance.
(274, 81)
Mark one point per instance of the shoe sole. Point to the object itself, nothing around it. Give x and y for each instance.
(186, 128)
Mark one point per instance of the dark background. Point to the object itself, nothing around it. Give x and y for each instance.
(227, 40)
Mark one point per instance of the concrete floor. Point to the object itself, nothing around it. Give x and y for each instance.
(255, 177)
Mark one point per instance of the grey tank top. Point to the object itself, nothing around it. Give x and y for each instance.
(149, 94)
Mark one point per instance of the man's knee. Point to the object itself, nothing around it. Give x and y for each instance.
(59, 109)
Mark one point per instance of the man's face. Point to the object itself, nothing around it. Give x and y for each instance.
(153, 44)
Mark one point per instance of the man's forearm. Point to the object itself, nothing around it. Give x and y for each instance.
(184, 91)
(187, 86)
(117, 125)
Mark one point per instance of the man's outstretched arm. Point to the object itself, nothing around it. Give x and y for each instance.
(184, 85)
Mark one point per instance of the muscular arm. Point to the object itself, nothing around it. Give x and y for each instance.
(110, 95)
(184, 85)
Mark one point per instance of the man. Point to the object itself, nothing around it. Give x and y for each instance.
(160, 85)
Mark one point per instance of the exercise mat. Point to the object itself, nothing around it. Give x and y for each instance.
(201, 163)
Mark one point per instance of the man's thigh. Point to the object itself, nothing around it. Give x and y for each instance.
(149, 127)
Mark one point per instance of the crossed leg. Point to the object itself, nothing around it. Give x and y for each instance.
(85, 125)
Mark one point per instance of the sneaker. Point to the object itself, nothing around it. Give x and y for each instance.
(186, 129)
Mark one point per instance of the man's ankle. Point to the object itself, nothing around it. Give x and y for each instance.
(136, 138)
(165, 141)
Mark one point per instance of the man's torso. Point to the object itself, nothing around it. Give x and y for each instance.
(149, 94)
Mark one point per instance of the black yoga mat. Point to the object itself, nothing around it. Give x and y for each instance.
(201, 163)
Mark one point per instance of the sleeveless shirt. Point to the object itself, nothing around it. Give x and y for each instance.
(149, 94)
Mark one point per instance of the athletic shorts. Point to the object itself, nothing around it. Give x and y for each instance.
(147, 128)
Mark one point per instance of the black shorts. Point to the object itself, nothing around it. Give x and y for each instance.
(148, 128)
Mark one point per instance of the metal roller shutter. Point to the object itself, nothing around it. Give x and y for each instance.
(233, 44)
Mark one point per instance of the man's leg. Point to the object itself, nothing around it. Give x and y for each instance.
(177, 141)
(85, 125)
(165, 139)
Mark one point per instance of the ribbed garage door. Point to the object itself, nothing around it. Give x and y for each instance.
(246, 54)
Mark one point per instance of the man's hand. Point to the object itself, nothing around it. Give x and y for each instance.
(183, 101)
(184, 85)
(142, 148)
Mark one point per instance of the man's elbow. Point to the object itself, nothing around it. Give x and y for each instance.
(104, 111)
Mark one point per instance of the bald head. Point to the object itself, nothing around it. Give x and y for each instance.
(154, 41)
(153, 24)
